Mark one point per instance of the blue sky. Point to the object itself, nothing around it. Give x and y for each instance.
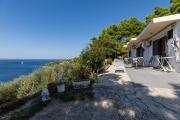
(61, 28)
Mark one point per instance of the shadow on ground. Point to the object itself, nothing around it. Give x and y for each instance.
(117, 100)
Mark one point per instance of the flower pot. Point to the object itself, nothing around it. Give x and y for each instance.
(60, 88)
(52, 87)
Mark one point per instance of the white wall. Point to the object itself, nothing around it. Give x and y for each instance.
(177, 37)
(148, 53)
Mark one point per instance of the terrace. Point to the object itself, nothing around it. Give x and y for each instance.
(154, 78)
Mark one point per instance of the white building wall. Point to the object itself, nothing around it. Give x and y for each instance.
(148, 53)
(177, 38)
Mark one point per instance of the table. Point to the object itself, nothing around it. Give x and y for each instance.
(166, 59)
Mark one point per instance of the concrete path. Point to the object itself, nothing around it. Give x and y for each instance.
(154, 78)
(118, 98)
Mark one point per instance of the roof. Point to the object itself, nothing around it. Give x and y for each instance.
(155, 26)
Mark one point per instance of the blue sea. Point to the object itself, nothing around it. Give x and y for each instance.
(11, 69)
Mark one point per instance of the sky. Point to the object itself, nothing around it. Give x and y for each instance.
(58, 29)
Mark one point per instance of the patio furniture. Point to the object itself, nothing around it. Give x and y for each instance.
(164, 63)
(128, 61)
(119, 65)
(155, 62)
(138, 62)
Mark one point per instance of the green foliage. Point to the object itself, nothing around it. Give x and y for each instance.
(71, 71)
(26, 85)
(131, 27)
(108, 45)
(158, 12)
(92, 57)
(51, 64)
(112, 33)
(149, 18)
(33, 83)
(8, 92)
(175, 6)
(108, 61)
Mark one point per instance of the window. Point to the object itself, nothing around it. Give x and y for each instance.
(160, 47)
(170, 34)
(140, 51)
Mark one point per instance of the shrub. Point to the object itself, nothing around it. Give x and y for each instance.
(35, 82)
(8, 91)
(71, 71)
(108, 61)
(29, 85)
(26, 85)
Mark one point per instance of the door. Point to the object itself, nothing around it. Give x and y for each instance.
(160, 47)
(164, 46)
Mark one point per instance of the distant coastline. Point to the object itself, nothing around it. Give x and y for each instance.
(11, 69)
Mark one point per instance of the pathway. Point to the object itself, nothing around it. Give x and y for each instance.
(117, 98)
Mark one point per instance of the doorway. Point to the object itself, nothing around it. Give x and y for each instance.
(160, 47)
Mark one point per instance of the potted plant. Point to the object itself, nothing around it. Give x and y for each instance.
(60, 85)
(52, 87)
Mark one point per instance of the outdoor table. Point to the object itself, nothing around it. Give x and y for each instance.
(165, 59)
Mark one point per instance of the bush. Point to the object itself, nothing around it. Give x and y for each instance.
(8, 92)
(108, 61)
(29, 85)
(35, 82)
(26, 85)
(72, 72)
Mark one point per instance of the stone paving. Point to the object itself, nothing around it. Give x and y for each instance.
(154, 78)
(116, 97)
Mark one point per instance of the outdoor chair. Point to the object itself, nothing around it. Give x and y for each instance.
(138, 62)
(119, 66)
(128, 62)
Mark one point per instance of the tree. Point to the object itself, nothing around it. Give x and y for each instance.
(175, 6)
(158, 12)
(131, 27)
(149, 18)
(93, 56)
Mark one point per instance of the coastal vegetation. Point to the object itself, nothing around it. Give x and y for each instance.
(92, 60)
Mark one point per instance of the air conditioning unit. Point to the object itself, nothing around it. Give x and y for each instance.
(147, 43)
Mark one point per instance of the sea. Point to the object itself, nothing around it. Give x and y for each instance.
(13, 68)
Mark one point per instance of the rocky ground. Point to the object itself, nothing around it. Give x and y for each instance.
(116, 97)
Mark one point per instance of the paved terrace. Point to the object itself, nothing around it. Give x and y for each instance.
(153, 78)
(116, 97)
